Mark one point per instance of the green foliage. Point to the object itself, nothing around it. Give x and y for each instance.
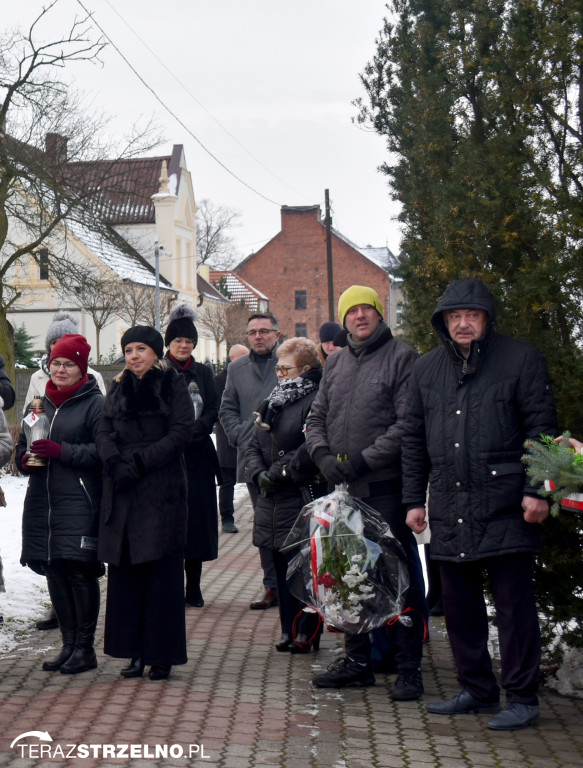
(479, 103)
(556, 462)
(24, 352)
(221, 286)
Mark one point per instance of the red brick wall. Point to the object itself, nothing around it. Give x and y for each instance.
(295, 259)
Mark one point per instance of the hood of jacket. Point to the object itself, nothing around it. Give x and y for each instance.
(463, 294)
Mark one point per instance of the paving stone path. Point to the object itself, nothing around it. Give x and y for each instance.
(240, 704)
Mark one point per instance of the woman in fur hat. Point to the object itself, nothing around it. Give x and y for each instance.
(202, 464)
(146, 424)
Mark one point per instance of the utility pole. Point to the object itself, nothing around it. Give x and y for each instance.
(331, 303)
(157, 250)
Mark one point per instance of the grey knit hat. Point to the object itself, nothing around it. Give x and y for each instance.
(63, 323)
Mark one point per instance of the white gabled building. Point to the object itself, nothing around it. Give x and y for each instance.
(152, 202)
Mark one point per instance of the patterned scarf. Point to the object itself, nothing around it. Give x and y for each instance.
(284, 393)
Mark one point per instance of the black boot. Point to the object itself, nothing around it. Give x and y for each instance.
(86, 595)
(50, 621)
(193, 570)
(307, 632)
(53, 665)
(134, 669)
(64, 606)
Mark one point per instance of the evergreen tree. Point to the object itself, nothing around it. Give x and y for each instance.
(481, 104)
(23, 347)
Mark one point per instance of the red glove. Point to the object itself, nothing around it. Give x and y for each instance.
(46, 449)
(25, 468)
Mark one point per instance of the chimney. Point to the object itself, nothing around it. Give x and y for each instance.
(56, 148)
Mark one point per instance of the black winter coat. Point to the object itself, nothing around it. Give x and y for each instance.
(202, 540)
(274, 450)
(148, 422)
(61, 509)
(465, 428)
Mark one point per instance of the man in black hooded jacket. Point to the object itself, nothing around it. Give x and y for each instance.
(473, 403)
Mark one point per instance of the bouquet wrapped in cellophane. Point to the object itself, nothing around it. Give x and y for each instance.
(349, 566)
(560, 470)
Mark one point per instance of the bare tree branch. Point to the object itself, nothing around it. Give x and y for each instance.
(213, 244)
(45, 189)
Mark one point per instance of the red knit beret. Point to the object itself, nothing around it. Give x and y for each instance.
(74, 347)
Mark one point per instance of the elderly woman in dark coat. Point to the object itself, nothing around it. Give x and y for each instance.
(270, 462)
(61, 508)
(202, 540)
(146, 424)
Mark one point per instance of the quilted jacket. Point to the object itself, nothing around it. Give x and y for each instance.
(466, 424)
(360, 408)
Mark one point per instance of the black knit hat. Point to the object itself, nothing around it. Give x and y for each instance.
(146, 335)
(181, 325)
(329, 330)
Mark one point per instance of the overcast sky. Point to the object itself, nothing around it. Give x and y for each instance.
(279, 77)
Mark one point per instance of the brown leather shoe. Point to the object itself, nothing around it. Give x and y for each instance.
(269, 600)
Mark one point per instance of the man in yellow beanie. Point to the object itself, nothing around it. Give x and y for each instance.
(354, 436)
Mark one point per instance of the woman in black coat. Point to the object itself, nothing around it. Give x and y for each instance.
(146, 424)
(270, 458)
(61, 508)
(202, 539)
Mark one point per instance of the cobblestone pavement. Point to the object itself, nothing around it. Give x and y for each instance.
(240, 704)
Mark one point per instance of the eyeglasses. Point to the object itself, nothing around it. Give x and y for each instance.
(54, 365)
(261, 332)
(285, 369)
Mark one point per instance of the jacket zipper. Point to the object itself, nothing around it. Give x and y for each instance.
(274, 515)
(48, 492)
(49, 471)
(352, 394)
(87, 494)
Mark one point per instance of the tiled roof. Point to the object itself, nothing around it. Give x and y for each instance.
(239, 289)
(205, 288)
(125, 186)
(128, 185)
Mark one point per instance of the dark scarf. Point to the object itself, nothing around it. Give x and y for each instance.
(59, 396)
(284, 393)
(182, 366)
(359, 347)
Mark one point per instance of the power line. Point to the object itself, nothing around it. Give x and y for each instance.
(170, 112)
(200, 104)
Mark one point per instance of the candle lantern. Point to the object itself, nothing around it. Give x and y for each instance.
(36, 426)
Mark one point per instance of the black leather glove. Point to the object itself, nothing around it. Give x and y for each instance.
(266, 484)
(123, 473)
(279, 474)
(348, 470)
(332, 469)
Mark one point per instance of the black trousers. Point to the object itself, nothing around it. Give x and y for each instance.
(289, 606)
(145, 615)
(408, 634)
(227, 492)
(511, 581)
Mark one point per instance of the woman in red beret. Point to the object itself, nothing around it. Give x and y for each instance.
(61, 508)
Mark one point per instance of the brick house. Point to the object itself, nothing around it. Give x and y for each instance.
(292, 270)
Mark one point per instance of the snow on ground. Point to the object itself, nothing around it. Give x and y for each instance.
(26, 598)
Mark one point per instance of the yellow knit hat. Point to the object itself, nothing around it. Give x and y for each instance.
(358, 294)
